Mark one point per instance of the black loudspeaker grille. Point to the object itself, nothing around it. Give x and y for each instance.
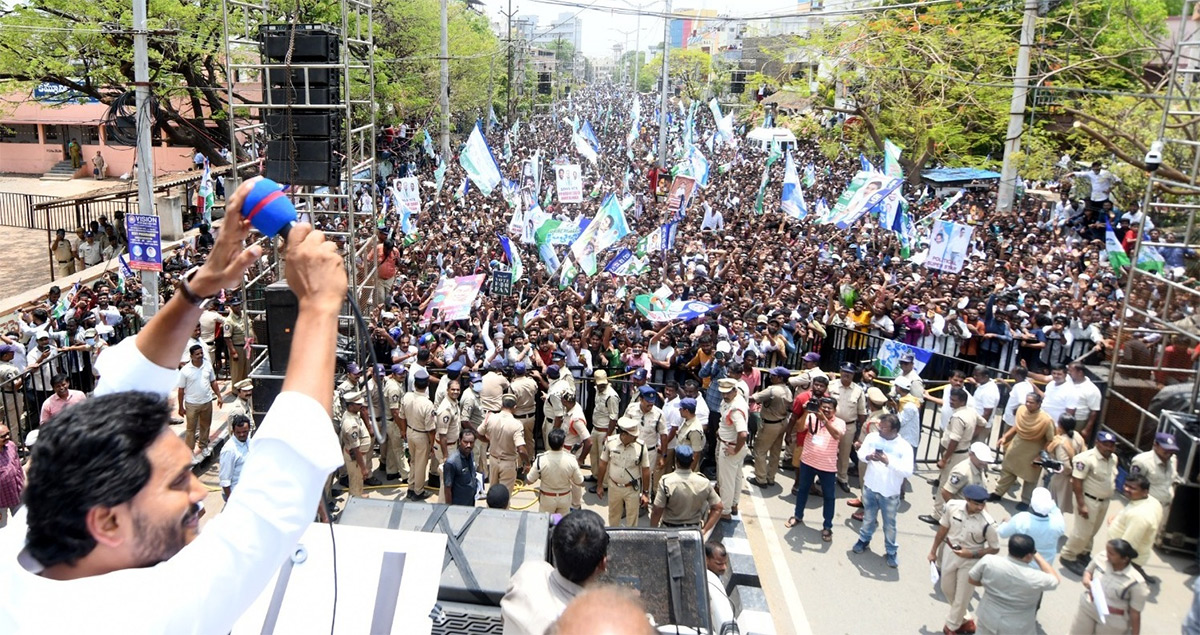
(267, 386)
(282, 310)
(302, 172)
(303, 123)
(296, 77)
(297, 96)
(313, 43)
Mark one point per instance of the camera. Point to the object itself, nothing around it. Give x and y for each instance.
(1048, 462)
(1154, 157)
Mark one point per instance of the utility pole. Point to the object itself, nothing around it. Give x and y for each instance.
(1016, 111)
(637, 50)
(508, 91)
(445, 96)
(662, 121)
(145, 148)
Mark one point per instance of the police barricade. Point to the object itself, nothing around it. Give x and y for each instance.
(22, 396)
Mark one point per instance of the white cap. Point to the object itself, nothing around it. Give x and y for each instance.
(723, 347)
(1042, 502)
(982, 452)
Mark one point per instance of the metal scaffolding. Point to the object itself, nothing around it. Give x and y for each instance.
(1151, 371)
(349, 202)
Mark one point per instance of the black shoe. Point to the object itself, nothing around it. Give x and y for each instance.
(1085, 558)
(589, 479)
(760, 484)
(423, 495)
(994, 498)
(592, 489)
(1074, 566)
(434, 482)
(393, 476)
(845, 485)
(1022, 507)
(926, 518)
(372, 482)
(344, 482)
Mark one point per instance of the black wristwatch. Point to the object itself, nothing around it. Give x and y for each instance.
(184, 288)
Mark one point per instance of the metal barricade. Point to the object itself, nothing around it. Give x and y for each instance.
(22, 396)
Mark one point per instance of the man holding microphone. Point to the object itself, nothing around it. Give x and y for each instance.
(116, 539)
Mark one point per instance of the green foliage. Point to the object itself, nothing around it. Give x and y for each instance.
(690, 69)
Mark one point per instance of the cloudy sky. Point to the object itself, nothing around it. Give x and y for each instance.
(602, 28)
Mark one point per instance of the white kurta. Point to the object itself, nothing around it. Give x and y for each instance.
(207, 585)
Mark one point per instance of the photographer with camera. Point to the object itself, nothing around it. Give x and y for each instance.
(115, 540)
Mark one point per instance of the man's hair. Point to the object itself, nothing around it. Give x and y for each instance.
(1019, 372)
(1138, 480)
(497, 496)
(1021, 545)
(57, 378)
(958, 394)
(579, 544)
(1067, 423)
(982, 370)
(92, 455)
(959, 373)
(712, 549)
(238, 420)
(891, 420)
(193, 348)
(557, 437)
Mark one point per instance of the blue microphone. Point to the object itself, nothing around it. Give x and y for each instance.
(269, 209)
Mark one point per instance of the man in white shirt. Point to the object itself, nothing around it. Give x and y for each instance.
(118, 555)
(888, 460)
(1060, 395)
(1102, 182)
(1016, 395)
(1087, 405)
(234, 453)
(986, 397)
(90, 250)
(197, 391)
(713, 219)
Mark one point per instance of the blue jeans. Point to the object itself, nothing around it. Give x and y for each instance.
(875, 504)
(807, 475)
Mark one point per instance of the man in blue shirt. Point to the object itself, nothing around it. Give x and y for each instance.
(1043, 522)
(458, 475)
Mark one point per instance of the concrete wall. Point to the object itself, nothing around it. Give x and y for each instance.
(38, 158)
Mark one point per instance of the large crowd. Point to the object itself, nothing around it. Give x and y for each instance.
(566, 377)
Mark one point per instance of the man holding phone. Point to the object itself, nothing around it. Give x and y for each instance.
(969, 534)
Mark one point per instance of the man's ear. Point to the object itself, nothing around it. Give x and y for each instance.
(107, 524)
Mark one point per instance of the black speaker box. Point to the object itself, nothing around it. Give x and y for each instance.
(1181, 532)
(302, 172)
(666, 567)
(302, 123)
(298, 96)
(267, 386)
(298, 76)
(282, 309)
(484, 547)
(315, 150)
(312, 43)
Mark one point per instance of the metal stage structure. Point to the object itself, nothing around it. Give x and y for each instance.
(302, 100)
(1153, 385)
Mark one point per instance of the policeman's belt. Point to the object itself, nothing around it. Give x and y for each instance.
(1095, 498)
(680, 525)
(545, 493)
(774, 422)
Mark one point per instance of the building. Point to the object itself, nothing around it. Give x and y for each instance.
(567, 27)
(36, 127)
(683, 30)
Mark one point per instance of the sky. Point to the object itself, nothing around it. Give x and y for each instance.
(602, 29)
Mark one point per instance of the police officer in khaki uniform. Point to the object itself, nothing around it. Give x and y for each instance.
(447, 418)
(691, 432)
(1093, 480)
(352, 383)
(559, 476)
(1138, 522)
(418, 425)
(652, 426)
(64, 255)
(244, 390)
(506, 444)
(956, 438)
(237, 329)
(969, 534)
(851, 408)
(1160, 466)
(624, 469)
(776, 400)
(685, 499)
(604, 418)
(553, 410)
(473, 413)
(525, 389)
(394, 462)
(356, 445)
(494, 384)
(973, 471)
(1125, 593)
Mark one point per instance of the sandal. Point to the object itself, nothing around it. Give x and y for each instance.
(827, 535)
(791, 522)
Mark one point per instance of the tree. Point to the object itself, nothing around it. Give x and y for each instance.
(689, 69)
(938, 80)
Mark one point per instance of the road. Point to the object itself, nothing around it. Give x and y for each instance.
(825, 588)
(818, 587)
